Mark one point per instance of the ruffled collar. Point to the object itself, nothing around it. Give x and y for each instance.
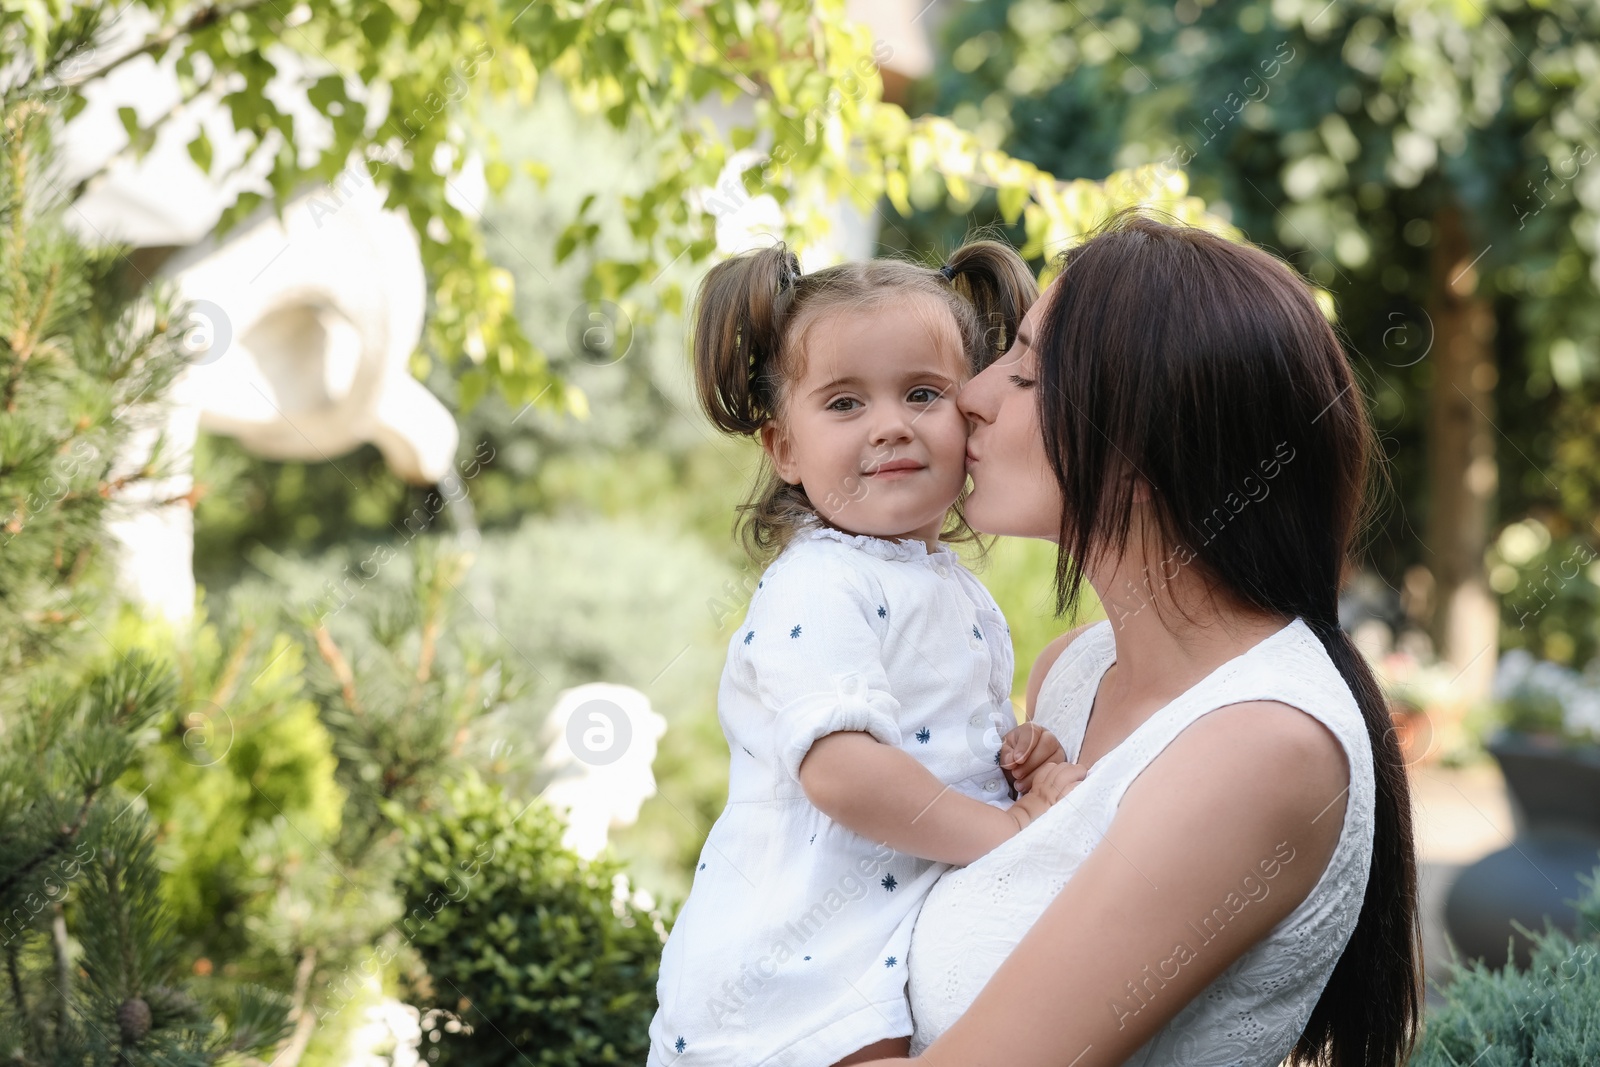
(909, 550)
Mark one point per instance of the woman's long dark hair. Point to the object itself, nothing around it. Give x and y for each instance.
(1205, 368)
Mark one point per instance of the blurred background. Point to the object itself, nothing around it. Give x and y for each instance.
(368, 568)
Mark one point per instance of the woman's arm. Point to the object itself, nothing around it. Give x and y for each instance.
(884, 794)
(1227, 833)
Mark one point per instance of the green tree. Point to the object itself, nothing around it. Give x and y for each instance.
(400, 89)
(94, 969)
(1431, 164)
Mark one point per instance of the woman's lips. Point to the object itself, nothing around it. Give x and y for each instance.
(971, 459)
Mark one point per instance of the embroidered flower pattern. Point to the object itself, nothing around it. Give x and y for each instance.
(888, 882)
(680, 1044)
(923, 735)
(977, 633)
(890, 962)
(882, 611)
(796, 631)
(748, 636)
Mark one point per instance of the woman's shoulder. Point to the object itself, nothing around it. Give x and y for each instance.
(1051, 655)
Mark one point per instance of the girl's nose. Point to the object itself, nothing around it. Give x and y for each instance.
(893, 426)
(890, 431)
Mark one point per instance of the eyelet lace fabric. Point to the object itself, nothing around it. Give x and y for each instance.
(1251, 1014)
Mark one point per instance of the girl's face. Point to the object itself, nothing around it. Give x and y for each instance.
(1013, 489)
(871, 429)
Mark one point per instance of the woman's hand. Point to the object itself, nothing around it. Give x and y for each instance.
(1025, 749)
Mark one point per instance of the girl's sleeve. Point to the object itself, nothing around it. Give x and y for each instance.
(812, 641)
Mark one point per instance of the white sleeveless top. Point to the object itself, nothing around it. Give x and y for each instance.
(1252, 1014)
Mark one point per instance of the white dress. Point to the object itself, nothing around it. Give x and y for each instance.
(790, 948)
(1252, 1013)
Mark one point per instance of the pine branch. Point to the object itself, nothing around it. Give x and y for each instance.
(235, 666)
(24, 338)
(64, 837)
(305, 1021)
(33, 1025)
(58, 931)
(341, 669)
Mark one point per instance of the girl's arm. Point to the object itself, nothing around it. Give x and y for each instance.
(884, 794)
(1220, 839)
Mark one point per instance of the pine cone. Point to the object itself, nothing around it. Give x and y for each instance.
(133, 1019)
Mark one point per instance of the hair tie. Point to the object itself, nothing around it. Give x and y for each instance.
(788, 277)
(948, 271)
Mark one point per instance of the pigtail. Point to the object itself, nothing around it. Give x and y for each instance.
(995, 280)
(738, 329)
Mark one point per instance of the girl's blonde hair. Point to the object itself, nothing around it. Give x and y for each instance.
(751, 317)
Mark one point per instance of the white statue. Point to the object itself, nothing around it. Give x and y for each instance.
(599, 741)
(300, 331)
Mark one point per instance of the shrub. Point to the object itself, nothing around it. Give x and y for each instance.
(1545, 1015)
(543, 956)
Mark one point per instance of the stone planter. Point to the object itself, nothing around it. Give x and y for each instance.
(1555, 808)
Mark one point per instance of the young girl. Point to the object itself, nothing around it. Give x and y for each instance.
(866, 689)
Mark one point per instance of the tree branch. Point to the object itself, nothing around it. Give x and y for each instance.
(207, 15)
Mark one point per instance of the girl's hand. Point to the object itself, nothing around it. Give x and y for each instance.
(1055, 780)
(1050, 783)
(1025, 749)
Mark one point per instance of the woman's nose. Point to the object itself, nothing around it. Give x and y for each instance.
(971, 398)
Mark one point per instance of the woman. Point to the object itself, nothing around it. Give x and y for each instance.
(1178, 417)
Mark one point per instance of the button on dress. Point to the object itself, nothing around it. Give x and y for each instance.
(790, 948)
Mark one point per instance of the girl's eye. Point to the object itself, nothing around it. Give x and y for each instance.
(933, 394)
(842, 400)
(1020, 382)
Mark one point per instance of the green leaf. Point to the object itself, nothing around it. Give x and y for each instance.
(497, 174)
(540, 172)
(897, 189)
(200, 151)
(377, 26)
(130, 123)
(1012, 198)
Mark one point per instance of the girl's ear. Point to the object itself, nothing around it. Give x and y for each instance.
(775, 442)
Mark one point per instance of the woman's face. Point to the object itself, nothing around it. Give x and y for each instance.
(1013, 489)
